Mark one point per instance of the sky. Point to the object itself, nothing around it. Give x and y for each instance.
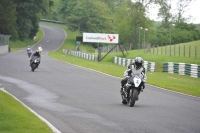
(192, 10)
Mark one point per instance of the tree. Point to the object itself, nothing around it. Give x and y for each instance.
(29, 13)
(176, 15)
(112, 4)
(164, 13)
(7, 16)
(90, 16)
(67, 8)
(129, 18)
(182, 7)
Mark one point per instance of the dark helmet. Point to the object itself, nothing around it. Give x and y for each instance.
(138, 62)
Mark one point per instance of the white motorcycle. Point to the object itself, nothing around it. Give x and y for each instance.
(132, 89)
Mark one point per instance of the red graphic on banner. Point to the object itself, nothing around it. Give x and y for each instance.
(111, 38)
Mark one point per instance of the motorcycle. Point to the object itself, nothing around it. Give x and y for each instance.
(29, 52)
(35, 63)
(132, 89)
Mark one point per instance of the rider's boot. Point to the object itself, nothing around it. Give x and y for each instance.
(121, 91)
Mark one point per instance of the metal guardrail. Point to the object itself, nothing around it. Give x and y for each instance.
(4, 39)
(4, 44)
(192, 70)
(149, 66)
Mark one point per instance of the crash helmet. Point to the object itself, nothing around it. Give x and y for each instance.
(40, 49)
(138, 62)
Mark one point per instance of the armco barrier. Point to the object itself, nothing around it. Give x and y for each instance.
(80, 54)
(149, 66)
(192, 70)
(4, 49)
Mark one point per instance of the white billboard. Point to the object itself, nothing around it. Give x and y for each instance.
(100, 38)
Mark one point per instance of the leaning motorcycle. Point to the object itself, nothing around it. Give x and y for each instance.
(132, 89)
(35, 63)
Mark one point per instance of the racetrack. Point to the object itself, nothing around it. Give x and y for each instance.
(80, 100)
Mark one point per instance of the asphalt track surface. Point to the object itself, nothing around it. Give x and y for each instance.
(80, 100)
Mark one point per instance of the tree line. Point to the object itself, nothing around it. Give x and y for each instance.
(20, 18)
(128, 18)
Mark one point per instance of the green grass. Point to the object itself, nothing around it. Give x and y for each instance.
(190, 49)
(19, 45)
(159, 59)
(175, 82)
(15, 118)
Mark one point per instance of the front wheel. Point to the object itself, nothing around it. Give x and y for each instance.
(33, 67)
(133, 97)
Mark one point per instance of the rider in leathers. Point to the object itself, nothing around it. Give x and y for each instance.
(137, 66)
(29, 51)
(37, 53)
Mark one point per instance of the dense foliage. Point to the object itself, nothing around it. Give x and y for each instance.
(128, 18)
(20, 18)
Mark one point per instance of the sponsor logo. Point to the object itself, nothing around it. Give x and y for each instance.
(110, 38)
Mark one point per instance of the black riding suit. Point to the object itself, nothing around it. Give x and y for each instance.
(35, 54)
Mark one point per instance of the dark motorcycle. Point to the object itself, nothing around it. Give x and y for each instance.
(132, 89)
(35, 63)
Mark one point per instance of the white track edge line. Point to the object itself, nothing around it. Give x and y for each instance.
(54, 129)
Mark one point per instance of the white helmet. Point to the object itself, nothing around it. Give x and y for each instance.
(40, 49)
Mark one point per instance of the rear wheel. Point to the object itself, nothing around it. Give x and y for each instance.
(133, 97)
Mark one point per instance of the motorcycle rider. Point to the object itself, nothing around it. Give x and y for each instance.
(29, 51)
(37, 53)
(40, 49)
(135, 66)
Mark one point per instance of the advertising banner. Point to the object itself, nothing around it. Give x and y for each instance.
(100, 38)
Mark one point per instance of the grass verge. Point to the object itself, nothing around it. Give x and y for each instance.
(15, 118)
